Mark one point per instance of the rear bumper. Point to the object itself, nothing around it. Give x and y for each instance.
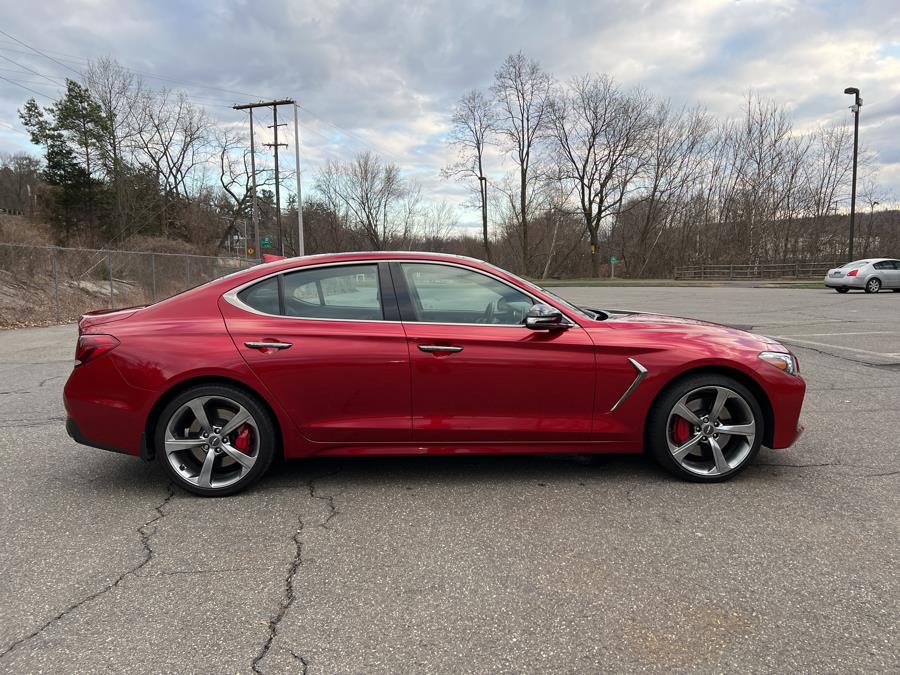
(845, 282)
(102, 410)
(76, 435)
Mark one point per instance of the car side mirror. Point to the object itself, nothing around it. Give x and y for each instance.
(544, 317)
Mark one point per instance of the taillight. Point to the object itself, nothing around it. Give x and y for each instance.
(852, 273)
(91, 346)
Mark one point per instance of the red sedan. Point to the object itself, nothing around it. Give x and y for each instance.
(413, 353)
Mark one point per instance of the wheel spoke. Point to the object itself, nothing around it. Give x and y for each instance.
(176, 444)
(722, 395)
(197, 407)
(682, 410)
(722, 466)
(204, 479)
(737, 429)
(683, 451)
(239, 418)
(245, 461)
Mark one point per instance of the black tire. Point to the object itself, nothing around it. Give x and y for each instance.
(265, 424)
(656, 432)
(873, 285)
(842, 290)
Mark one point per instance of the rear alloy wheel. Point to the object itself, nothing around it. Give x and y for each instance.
(873, 285)
(215, 440)
(705, 428)
(842, 290)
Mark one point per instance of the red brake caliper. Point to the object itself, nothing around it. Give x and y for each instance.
(681, 430)
(244, 438)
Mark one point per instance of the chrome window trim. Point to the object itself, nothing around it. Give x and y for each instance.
(231, 297)
(641, 374)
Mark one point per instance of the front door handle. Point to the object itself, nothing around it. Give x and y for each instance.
(440, 348)
(268, 345)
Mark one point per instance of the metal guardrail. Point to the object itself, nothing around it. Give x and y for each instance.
(796, 270)
(55, 284)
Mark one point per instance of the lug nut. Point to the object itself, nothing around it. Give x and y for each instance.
(715, 435)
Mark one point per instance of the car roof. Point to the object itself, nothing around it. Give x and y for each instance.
(298, 262)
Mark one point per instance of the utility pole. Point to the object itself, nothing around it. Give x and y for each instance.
(857, 104)
(276, 145)
(299, 194)
(255, 209)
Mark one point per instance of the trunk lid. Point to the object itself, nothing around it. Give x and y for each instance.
(91, 320)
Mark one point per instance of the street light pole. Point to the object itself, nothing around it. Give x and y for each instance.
(857, 104)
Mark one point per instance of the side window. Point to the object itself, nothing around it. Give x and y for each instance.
(445, 294)
(897, 265)
(347, 292)
(884, 265)
(263, 297)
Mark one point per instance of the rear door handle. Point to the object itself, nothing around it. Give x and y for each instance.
(440, 348)
(268, 345)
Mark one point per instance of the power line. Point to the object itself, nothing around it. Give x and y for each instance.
(33, 72)
(33, 91)
(10, 127)
(132, 70)
(38, 51)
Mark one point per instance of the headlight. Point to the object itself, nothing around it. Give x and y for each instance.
(781, 360)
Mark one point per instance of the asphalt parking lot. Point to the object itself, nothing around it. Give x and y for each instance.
(472, 564)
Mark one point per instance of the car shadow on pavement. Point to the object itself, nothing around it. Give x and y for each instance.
(450, 470)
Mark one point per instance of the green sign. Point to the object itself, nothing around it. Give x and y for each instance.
(613, 260)
(265, 242)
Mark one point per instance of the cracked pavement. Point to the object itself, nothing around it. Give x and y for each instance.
(495, 564)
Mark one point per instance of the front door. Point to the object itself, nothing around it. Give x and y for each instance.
(478, 374)
(338, 360)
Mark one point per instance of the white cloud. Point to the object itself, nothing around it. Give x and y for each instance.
(388, 72)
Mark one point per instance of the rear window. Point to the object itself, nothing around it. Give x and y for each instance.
(263, 297)
(855, 265)
(346, 292)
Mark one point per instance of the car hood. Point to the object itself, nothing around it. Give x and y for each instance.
(691, 328)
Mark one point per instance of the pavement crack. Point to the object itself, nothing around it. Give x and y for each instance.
(146, 532)
(288, 595)
(50, 379)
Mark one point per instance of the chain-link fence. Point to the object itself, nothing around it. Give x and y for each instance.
(52, 284)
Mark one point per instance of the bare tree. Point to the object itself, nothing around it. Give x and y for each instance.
(522, 93)
(473, 125)
(369, 194)
(601, 138)
(117, 91)
(171, 141)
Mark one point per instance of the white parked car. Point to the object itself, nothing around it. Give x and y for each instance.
(869, 275)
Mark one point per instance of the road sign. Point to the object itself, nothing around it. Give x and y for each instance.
(265, 241)
(250, 250)
(613, 260)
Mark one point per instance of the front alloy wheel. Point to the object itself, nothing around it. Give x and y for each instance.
(705, 428)
(215, 440)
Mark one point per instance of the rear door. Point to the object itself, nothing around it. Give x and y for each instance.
(478, 374)
(328, 343)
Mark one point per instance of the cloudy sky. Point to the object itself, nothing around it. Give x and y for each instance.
(385, 75)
